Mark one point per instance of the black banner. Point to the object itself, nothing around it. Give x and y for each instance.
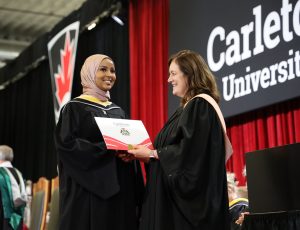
(252, 47)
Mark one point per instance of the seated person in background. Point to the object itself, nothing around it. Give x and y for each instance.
(12, 192)
(238, 206)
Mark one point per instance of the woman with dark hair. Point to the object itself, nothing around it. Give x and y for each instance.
(186, 183)
(98, 189)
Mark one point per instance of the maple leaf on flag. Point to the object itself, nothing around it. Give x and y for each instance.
(63, 78)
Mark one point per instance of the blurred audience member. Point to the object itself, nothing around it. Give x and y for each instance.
(12, 192)
(238, 206)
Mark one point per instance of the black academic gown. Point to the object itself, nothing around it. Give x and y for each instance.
(97, 189)
(187, 186)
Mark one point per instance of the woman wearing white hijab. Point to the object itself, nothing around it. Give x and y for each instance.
(97, 189)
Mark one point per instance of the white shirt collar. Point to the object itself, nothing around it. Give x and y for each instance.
(6, 164)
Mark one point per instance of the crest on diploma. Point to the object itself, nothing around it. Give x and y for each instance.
(62, 52)
(124, 132)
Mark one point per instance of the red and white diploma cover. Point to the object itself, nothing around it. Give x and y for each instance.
(121, 134)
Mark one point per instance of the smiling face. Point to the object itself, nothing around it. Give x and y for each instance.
(105, 75)
(177, 79)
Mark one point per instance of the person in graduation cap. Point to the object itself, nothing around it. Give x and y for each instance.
(186, 182)
(98, 188)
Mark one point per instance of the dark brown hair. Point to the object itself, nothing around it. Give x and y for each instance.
(199, 77)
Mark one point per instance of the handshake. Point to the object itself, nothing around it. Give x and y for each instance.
(138, 152)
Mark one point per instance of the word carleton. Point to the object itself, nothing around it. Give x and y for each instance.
(267, 35)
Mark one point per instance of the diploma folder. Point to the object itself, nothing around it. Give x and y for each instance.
(121, 134)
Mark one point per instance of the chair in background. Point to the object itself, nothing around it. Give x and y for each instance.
(54, 210)
(39, 204)
(37, 207)
(54, 205)
(54, 184)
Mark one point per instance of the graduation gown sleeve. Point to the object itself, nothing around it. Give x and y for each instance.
(194, 163)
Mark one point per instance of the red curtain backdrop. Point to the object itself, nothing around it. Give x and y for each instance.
(148, 48)
(148, 45)
(269, 127)
(148, 30)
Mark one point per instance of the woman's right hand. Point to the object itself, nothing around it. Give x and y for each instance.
(140, 152)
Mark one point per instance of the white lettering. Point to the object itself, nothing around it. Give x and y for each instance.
(246, 30)
(296, 18)
(271, 26)
(282, 70)
(255, 80)
(267, 32)
(264, 78)
(297, 63)
(285, 11)
(291, 66)
(273, 69)
(228, 96)
(239, 87)
(247, 78)
(276, 73)
(215, 66)
(233, 51)
(259, 48)
(248, 89)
